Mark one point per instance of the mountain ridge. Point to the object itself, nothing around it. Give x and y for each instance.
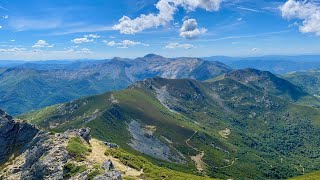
(65, 84)
(241, 123)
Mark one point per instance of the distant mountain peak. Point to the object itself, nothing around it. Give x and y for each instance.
(267, 82)
(153, 56)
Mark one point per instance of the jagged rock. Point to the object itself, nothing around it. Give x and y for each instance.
(111, 145)
(112, 175)
(42, 155)
(45, 160)
(81, 176)
(14, 136)
(84, 133)
(108, 165)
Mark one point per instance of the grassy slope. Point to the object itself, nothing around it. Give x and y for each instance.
(260, 136)
(23, 90)
(309, 80)
(309, 176)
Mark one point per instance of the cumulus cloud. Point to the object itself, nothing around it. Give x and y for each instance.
(81, 40)
(190, 30)
(42, 44)
(167, 9)
(85, 39)
(177, 45)
(124, 43)
(307, 11)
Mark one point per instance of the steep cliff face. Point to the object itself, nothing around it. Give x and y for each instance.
(14, 136)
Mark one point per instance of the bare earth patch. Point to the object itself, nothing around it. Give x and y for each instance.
(225, 133)
(97, 156)
(198, 161)
(150, 129)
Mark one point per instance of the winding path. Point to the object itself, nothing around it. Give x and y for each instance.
(187, 141)
(202, 153)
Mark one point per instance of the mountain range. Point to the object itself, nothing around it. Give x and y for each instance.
(157, 118)
(276, 64)
(244, 124)
(32, 86)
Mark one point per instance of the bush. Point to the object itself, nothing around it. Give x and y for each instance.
(94, 173)
(71, 170)
(77, 148)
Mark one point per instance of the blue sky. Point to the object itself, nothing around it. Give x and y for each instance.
(78, 29)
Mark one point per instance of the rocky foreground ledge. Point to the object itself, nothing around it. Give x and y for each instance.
(29, 153)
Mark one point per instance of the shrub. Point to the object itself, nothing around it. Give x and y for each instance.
(71, 170)
(77, 148)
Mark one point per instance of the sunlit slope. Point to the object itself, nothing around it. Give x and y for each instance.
(308, 176)
(226, 128)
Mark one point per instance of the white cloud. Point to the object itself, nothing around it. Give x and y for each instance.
(81, 40)
(308, 12)
(248, 9)
(255, 49)
(42, 44)
(167, 9)
(83, 29)
(94, 36)
(85, 39)
(124, 43)
(4, 17)
(190, 30)
(111, 43)
(177, 45)
(12, 50)
(0, 27)
(85, 51)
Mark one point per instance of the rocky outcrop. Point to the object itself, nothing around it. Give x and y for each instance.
(46, 155)
(44, 158)
(14, 136)
(112, 175)
(110, 172)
